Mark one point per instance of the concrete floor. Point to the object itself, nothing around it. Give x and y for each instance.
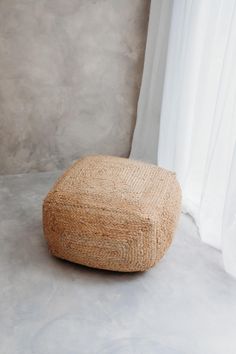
(185, 305)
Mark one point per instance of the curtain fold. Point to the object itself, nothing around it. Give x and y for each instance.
(150, 99)
(229, 221)
(197, 119)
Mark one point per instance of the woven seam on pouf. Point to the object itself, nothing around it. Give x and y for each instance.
(112, 213)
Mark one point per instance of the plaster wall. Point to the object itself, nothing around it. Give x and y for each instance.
(70, 73)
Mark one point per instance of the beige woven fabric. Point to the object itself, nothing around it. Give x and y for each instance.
(112, 213)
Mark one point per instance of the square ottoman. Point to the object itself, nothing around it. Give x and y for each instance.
(112, 213)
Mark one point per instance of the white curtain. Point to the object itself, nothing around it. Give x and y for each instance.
(197, 114)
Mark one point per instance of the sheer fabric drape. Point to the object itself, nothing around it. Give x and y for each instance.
(197, 131)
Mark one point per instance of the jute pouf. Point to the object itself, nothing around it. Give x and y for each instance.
(112, 213)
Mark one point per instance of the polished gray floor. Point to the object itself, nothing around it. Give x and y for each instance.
(185, 305)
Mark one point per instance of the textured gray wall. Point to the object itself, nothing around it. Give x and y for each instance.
(70, 73)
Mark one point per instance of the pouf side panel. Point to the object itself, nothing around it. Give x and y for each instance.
(99, 238)
(168, 218)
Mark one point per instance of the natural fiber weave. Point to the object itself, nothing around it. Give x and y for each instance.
(112, 213)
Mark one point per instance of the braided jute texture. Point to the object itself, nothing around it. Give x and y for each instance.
(112, 213)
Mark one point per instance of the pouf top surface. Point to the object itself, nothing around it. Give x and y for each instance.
(113, 182)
